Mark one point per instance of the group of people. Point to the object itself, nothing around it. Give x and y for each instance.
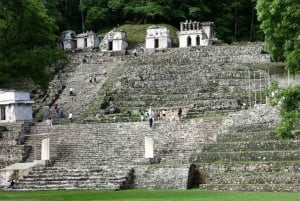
(93, 77)
(156, 116)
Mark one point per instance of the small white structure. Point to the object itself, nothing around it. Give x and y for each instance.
(149, 150)
(87, 40)
(114, 41)
(194, 34)
(158, 37)
(67, 40)
(15, 106)
(45, 152)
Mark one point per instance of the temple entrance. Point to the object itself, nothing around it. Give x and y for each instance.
(2, 113)
(156, 43)
(196, 177)
(85, 42)
(189, 41)
(198, 40)
(110, 45)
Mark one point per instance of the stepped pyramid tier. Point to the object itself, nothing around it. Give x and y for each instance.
(247, 155)
(231, 147)
(208, 80)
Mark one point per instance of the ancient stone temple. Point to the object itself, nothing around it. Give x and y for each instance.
(114, 41)
(67, 40)
(158, 37)
(87, 40)
(194, 34)
(15, 106)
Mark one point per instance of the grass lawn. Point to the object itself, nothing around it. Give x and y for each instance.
(148, 195)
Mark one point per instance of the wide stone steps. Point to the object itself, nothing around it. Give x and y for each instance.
(253, 145)
(252, 166)
(264, 135)
(62, 178)
(252, 187)
(272, 155)
(255, 178)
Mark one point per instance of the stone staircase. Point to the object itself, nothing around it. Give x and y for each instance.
(117, 149)
(212, 80)
(250, 157)
(78, 79)
(65, 178)
(76, 75)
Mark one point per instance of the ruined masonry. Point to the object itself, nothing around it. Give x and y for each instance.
(226, 140)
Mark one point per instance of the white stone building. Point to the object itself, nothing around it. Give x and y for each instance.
(194, 34)
(15, 106)
(87, 40)
(67, 40)
(158, 37)
(114, 41)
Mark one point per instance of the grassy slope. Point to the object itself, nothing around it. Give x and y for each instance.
(147, 195)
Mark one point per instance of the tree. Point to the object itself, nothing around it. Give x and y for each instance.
(27, 42)
(288, 101)
(280, 23)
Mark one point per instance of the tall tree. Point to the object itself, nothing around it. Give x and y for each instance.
(280, 23)
(27, 41)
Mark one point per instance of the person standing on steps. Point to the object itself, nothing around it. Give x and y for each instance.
(71, 91)
(70, 117)
(151, 118)
(90, 79)
(95, 78)
(179, 114)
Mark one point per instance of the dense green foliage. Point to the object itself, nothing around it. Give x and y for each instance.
(147, 195)
(27, 38)
(280, 23)
(288, 100)
(235, 20)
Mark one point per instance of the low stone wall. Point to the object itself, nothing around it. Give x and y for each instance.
(166, 177)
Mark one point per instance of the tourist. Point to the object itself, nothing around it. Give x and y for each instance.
(179, 114)
(71, 91)
(95, 78)
(157, 115)
(13, 182)
(49, 121)
(134, 52)
(90, 79)
(151, 117)
(70, 117)
(163, 114)
(55, 107)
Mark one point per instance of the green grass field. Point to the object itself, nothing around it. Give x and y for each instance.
(148, 195)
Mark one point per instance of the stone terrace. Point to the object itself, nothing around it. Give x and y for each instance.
(116, 147)
(208, 80)
(248, 156)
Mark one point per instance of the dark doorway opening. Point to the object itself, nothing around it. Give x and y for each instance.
(110, 45)
(156, 43)
(198, 40)
(196, 177)
(2, 113)
(189, 41)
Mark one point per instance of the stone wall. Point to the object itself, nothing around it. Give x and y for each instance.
(155, 177)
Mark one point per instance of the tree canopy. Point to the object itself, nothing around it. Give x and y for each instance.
(235, 20)
(27, 41)
(280, 23)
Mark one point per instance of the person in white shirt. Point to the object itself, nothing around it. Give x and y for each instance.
(70, 117)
